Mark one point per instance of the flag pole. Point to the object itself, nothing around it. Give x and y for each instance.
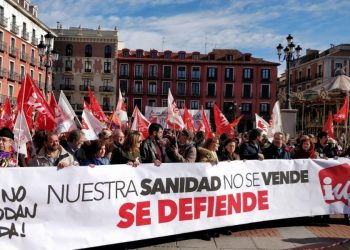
(20, 119)
(346, 121)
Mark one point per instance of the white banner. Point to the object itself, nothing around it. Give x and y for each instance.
(159, 114)
(78, 207)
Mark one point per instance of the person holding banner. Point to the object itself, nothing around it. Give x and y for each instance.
(7, 152)
(207, 153)
(184, 150)
(151, 148)
(325, 149)
(229, 151)
(277, 149)
(96, 154)
(76, 139)
(306, 149)
(130, 151)
(52, 154)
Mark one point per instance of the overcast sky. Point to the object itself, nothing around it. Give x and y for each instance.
(255, 26)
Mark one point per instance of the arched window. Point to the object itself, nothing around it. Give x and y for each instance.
(69, 50)
(108, 51)
(88, 51)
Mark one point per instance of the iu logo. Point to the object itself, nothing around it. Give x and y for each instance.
(335, 184)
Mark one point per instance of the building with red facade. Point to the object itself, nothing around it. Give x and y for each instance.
(238, 83)
(20, 33)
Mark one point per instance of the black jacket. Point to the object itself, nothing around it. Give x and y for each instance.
(272, 152)
(249, 151)
(149, 153)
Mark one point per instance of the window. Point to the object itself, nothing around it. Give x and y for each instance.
(264, 108)
(309, 74)
(246, 108)
(68, 65)
(138, 103)
(107, 67)
(165, 88)
(106, 104)
(182, 55)
(106, 82)
(229, 74)
(167, 72)
(139, 54)
(319, 71)
(229, 58)
(152, 102)
(69, 50)
(195, 75)
(123, 85)
(209, 104)
(195, 56)
(139, 70)
(86, 83)
(211, 90)
(194, 104)
(181, 88)
(247, 91)
(108, 51)
(88, 50)
(181, 72)
(153, 71)
(247, 74)
(88, 66)
(154, 54)
(22, 72)
(212, 73)
(67, 81)
(23, 52)
(10, 90)
(12, 70)
(228, 90)
(180, 104)
(265, 74)
(124, 69)
(164, 102)
(32, 73)
(152, 87)
(40, 78)
(265, 91)
(338, 65)
(125, 53)
(138, 87)
(229, 107)
(195, 89)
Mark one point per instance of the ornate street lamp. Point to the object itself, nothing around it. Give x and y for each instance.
(291, 53)
(47, 56)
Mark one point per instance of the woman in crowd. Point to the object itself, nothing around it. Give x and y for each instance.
(306, 149)
(130, 153)
(228, 153)
(96, 154)
(207, 153)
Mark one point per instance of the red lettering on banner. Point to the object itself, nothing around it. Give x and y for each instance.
(162, 205)
(199, 206)
(221, 205)
(127, 215)
(184, 209)
(143, 213)
(263, 200)
(124, 212)
(249, 201)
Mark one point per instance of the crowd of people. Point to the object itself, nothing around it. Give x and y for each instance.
(161, 146)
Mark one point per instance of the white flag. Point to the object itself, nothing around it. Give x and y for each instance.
(260, 123)
(276, 120)
(69, 123)
(91, 125)
(22, 134)
(174, 118)
(120, 110)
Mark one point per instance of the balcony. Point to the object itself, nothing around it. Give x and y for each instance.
(14, 28)
(247, 79)
(229, 95)
(265, 97)
(153, 77)
(265, 79)
(13, 52)
(24, 57)
(3, 21)
(138, 91)
(211, 95)
(319, 75)
(106, 89)
(212, 78)
(25, 35)
(3, 46)
(33, 61)
(181, 78)
(247, 96)
(34, 41)
(139, 76)
(229, 79)
(67, 87)
(85, 88)
(124, 75)
(13, 76)
(195, 94)
(107, 71)
(3, 72)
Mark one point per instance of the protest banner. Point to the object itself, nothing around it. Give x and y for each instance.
(79, 207)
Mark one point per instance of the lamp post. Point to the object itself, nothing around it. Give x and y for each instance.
(47, 56)
(291, 53)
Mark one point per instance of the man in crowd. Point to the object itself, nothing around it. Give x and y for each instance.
(118, 141)
(52, 154)
(323, 147)
(277, 149)
(75, 140)
(151, 150)
(7, 153)
(251, 150)
(185, 151)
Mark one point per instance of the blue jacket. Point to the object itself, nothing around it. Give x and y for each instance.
(249, 151)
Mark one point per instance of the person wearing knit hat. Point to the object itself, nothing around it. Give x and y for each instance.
(7, 153)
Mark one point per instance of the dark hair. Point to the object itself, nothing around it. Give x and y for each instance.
(210, 141)
(75, 135)
(48, 135)
(254, 133)
(94, 147)
(154, 127)
(6, 132)
(321, 134)
(228, 141)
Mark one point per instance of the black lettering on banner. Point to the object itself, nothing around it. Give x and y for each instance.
(285, 177)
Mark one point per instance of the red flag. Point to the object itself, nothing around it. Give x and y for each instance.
(187, 118)
(96, 108)
(6, 115)
(236, 121)
(207, 129)
(140, 122)
(221, 123)
(42, 123)
(343, 112)
(29, 98)
(328, 126)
